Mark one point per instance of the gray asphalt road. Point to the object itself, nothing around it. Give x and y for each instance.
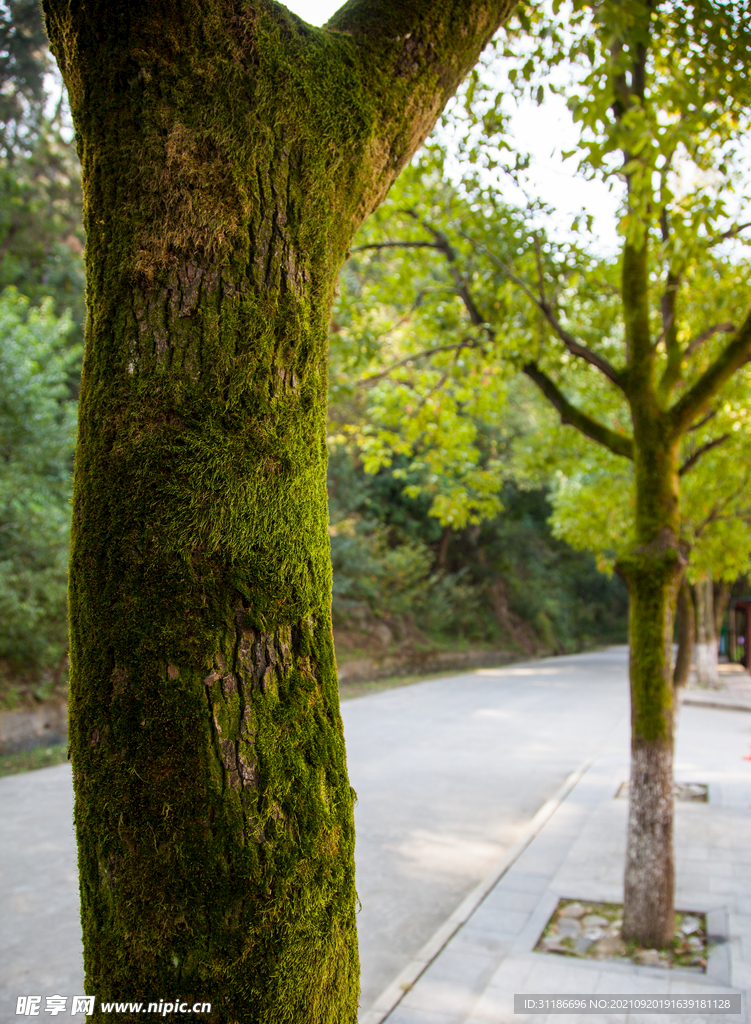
(447, 772)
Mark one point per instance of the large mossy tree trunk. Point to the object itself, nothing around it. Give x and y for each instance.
(229, 152)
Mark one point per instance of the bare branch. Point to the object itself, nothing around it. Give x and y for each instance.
(730, 233)
(619, 444)
(697, 398)
(395, 245)
(467, 342)
(436, 387)
(726, 328)
(716, 513)
(705, 419)
(693, 459)
(462, 287)
(574, 347)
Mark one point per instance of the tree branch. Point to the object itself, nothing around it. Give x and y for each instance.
(395, 245)
(669, 332)
(464, 343)
(574, 347)
(616, 443)
(693, 403)
(692, 346)
(411, 58)
(730, 233)
(460, 283)
(705, 419)
(693, 459)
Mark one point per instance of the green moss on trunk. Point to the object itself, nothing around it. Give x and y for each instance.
(653, 570)
(229, 152)
(213, 810)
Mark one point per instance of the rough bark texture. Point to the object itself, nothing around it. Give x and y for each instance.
(648, 896)
(653, 570)
(229, 152)
(652, 577)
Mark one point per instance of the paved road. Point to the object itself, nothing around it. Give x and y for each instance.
(447, 772)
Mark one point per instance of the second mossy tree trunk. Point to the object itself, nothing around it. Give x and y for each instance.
(653, 570)
(229, 152)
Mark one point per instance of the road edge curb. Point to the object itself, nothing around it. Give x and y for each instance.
(391, 996)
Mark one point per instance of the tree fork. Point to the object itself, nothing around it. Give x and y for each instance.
(229, 152)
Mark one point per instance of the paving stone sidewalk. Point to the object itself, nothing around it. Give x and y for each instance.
(733, 692)
(579, 854)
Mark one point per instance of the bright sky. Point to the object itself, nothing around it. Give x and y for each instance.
(544, 132)
(315, 12)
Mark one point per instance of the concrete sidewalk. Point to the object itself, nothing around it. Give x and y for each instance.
(579, 853)
(733, 692)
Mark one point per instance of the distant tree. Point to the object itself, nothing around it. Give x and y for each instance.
(41, 231)
(37, 436)
(636, 355)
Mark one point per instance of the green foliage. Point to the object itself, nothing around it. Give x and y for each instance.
(41, 266)
(30, 760)
(24, 61)
(504, 582)
(41, 235)
(37, 434)
(475, 289)
(383, 551)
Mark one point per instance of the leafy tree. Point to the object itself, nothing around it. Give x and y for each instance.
(593, 509)
(633, 354)
(423, 408)
(37, 434)
(505, 582)
(228, 152)
(666, 90)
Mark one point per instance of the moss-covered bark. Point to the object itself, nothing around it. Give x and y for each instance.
(653, 570)
(229, 152)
